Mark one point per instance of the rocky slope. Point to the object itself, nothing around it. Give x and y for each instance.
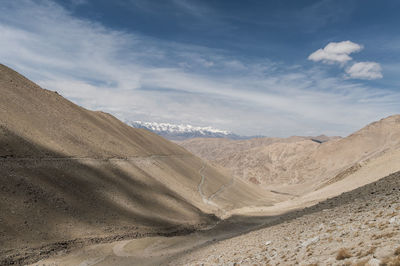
(300, 161)
(361, 227)
(71, 176)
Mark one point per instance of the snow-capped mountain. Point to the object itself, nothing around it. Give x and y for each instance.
(180, 132)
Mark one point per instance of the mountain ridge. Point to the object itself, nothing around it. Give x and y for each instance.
(71, 175)
(300, 160)
(184, 131)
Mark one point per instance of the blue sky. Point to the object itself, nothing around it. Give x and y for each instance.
(275, 68)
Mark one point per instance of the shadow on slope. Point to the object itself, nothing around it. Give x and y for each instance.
(361, 198)
(59, 202)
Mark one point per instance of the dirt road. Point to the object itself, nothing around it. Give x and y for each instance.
(164, 250)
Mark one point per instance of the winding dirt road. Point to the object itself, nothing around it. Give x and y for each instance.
(209, 200)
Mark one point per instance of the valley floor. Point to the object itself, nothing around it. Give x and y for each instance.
(360, 227)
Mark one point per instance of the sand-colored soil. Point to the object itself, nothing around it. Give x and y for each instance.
(72, 177)
(364, 222)
(299, 165)
(80, 187)
(361, 227)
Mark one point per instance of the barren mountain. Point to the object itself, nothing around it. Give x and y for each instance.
(351, 219)
(213, 149)
(302, 164)
(73, 178)
(360, 227)
(70, 176)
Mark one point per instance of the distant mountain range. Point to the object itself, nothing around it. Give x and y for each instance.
(311, 161)
(71, 173)
(182, 132)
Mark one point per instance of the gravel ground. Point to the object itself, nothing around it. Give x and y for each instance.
(361, 227)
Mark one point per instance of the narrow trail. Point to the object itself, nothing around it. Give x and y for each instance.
(28, 159)
(92, 261)
(222, 188)
(118, 249)
(209, 200)
(200, 190)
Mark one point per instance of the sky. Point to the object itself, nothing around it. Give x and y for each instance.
(273, 68)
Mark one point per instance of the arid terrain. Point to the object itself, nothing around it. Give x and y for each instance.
(361, 227)
(298, 165)
(80, 187)
(71, 177)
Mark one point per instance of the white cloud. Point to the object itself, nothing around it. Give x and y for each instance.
(365, 70)
(335, 52)
(339, 53)
(139, 78)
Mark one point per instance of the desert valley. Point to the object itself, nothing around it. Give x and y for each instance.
(199, 132)
(80, 187)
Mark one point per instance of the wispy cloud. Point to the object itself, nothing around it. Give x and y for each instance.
(140, 78)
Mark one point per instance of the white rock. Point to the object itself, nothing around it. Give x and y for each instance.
(394, 220)
(373, 262)
(268, 243)
(310, 241)
(384, 251)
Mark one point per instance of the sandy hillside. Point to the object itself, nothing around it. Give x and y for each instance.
(301, 163)
(213, 149)
(361, 227)
(71, 177)
(79, 186)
